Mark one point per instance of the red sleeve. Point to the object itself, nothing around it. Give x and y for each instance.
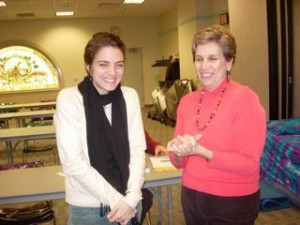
(151, 144)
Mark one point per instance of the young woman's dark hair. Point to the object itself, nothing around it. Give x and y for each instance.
(100, 40)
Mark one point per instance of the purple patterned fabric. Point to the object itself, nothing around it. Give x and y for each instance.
(22, 165)
(280, 160)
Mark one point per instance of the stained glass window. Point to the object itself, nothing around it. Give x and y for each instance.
(24, 68)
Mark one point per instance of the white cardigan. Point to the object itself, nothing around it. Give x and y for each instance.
(85, 187)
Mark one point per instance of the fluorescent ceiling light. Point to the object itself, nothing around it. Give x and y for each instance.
(133, 1)
(65, 13)
(2, 4)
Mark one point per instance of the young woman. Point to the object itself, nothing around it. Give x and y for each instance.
(100, 139)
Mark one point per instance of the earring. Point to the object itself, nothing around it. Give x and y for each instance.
(90, 77)
(228, 73)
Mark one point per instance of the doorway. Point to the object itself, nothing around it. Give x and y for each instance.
(283, 58)
(133, 76)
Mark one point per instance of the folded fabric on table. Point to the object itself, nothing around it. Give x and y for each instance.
(271, 198)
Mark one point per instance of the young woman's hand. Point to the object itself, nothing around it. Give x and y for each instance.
(159, 149)
(121, 213)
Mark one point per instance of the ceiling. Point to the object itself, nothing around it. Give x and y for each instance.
(45, 9)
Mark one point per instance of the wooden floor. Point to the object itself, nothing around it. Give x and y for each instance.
(161, 133)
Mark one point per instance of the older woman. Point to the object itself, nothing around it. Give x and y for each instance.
(219, 137)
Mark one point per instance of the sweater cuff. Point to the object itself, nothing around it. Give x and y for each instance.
(133, 199)
(115, 199)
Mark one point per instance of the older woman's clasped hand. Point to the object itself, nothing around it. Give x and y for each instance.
(185, 145)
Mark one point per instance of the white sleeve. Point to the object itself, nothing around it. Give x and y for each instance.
(72, 147)
(137, 146)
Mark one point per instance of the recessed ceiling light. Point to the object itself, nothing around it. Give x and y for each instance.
(2, 4)
(64, 13)
(133, 1)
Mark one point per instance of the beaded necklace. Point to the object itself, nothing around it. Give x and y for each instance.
(213, 113)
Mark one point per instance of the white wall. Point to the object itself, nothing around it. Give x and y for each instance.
(187, 26)
(249, 29)
(192, 17)
(161, 37)
(65, 40)
(168, 35)
(248, 23)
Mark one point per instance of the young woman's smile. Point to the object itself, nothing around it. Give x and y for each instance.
(107, 69)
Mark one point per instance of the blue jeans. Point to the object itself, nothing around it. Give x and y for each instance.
(91, 216)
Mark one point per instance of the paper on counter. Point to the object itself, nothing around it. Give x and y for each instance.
(161, 163)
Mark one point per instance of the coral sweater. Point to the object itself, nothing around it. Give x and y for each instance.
(236, 135)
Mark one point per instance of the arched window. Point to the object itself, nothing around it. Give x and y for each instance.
(25, 68)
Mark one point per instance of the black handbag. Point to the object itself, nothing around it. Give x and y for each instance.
(134, 221)
(38, 213)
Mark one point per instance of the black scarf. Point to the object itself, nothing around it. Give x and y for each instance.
(108, 144)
